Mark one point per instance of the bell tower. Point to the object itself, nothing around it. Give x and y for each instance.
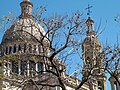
(93, 58)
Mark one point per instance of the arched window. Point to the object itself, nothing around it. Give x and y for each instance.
(30, 48)
(6, 51)
(19, 48)
(25, 47)
(10, 49)
(14, 49)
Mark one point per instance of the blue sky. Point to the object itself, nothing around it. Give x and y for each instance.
(104, 10)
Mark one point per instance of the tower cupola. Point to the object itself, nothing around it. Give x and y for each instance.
(89, 22)
(26, 9)
(90, 27)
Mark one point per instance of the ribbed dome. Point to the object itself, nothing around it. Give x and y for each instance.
(93, 40)
(23, 28)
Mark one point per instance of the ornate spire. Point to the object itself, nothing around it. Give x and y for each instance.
(26, 9)
(89, 22)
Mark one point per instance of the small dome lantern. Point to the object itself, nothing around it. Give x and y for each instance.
(89, 22)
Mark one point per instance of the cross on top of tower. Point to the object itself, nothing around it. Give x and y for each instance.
(89, 11)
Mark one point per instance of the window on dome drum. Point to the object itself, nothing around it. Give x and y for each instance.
(30, 48)
(23, 68)
(25, 46)
(6, 51)
(14, 67)
(10, 49)
(14, 49)
(19, 48)
(32, 68)
(34, 51)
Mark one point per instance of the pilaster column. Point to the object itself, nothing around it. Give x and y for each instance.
(28, 68)
(37, 49)
(19, 69)
(43, 68)
(36, 68)
(8, 68)
(104, 85)
(5, 69)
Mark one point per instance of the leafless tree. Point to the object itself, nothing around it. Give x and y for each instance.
(62, 38)
(112, 61)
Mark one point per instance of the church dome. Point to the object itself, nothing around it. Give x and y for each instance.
(24, 34)
(23, 29)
